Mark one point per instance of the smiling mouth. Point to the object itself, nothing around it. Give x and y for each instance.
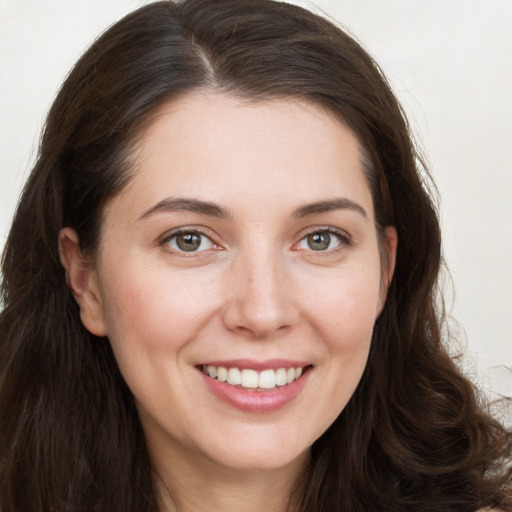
(254, 380)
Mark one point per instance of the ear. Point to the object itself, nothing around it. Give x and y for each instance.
(388, 265)
(82, 280)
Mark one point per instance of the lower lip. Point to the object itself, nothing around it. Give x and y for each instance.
(250, 400)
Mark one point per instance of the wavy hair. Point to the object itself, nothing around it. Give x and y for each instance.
(414, 435)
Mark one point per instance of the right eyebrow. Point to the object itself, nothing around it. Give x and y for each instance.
(187, 205)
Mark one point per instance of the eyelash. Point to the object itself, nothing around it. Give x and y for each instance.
(343, 238)
(169, 238)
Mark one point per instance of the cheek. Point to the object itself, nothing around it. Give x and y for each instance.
(343, 314)
(152, 319)
(153, 310)
(346, 308)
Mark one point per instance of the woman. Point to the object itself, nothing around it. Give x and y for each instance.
(219, 286)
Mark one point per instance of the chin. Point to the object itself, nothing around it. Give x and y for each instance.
(261, 455)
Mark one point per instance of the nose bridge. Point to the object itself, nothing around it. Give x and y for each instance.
(260, 300)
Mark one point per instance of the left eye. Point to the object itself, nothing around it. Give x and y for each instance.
(189, 241)
(320, 241)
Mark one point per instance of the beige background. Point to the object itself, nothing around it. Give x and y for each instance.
(450, 63)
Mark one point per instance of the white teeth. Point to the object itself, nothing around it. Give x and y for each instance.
(267, 379)
(222, 374)
(251, 379)
(234, 377)
(281, 377)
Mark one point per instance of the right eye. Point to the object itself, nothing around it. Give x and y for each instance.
(189, 241)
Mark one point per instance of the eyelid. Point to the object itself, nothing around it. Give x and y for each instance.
(345, 238)
(164, 240)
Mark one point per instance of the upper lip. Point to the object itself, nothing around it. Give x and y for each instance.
(252, 364)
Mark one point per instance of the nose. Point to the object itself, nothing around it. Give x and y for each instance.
(260, 301)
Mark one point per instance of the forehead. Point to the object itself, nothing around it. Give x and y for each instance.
(217, 145)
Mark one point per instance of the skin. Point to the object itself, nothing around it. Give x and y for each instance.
(255, 290)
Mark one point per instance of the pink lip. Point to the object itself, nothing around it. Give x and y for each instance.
(259, 366)
(250, 400)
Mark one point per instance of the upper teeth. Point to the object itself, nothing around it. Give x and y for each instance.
(267, 379)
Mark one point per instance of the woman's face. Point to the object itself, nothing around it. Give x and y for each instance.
(244, 248)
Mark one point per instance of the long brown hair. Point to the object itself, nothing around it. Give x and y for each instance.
(414, 435)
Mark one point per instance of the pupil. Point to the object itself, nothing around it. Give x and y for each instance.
(188, 242)
(319, 241)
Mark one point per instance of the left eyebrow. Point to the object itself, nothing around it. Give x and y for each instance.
(328, 206)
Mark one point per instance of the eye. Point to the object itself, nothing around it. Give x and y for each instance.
(323, 240)
(189, 241)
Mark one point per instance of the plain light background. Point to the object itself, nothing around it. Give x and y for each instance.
(448, 61)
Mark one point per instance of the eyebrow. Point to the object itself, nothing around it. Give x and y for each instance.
(218, 211)
(340, 203)
(187, 205)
